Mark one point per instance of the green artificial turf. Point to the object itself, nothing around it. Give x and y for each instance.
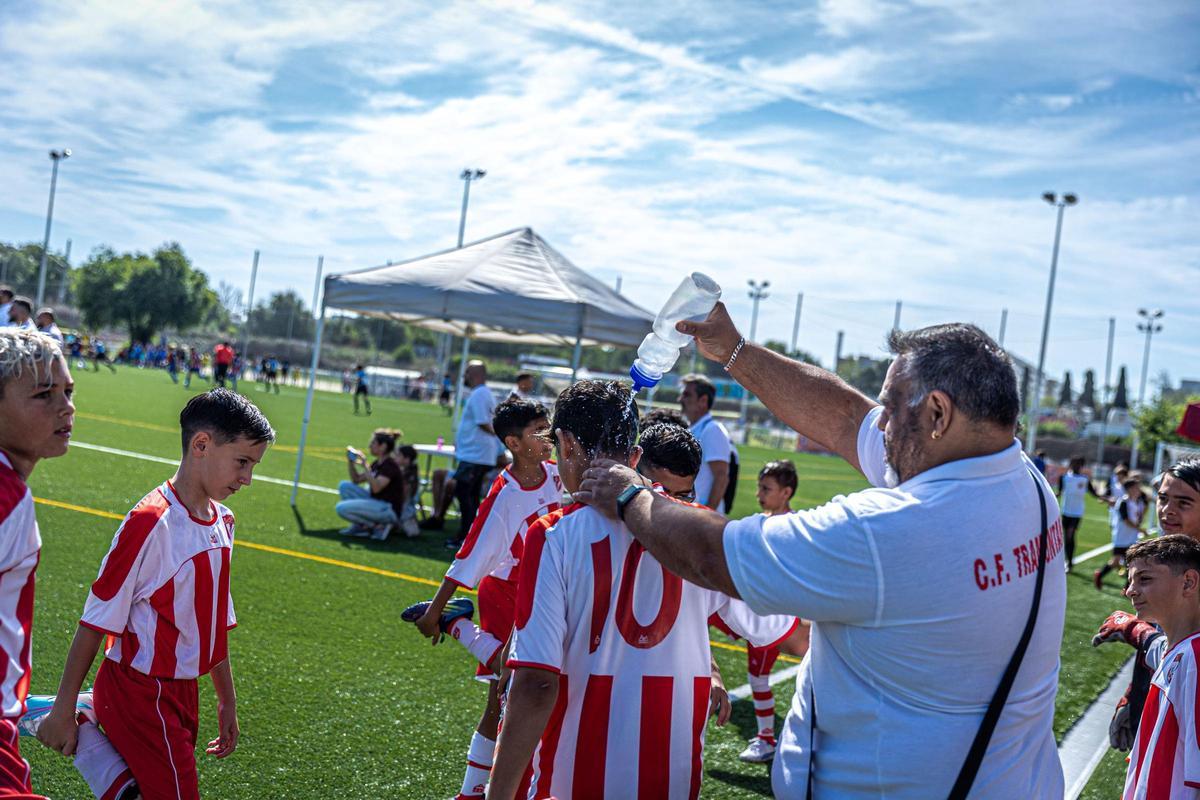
(337, 698)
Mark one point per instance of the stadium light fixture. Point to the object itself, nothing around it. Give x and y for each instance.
(1149, 326)
(1035, 403)
(466, 176)
(55, 156)
(758, 292)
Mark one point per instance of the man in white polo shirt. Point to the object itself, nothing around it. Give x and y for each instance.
(696, 401)
(475, 446)
(918, 593)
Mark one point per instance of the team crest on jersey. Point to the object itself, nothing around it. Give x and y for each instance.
(1170, 672)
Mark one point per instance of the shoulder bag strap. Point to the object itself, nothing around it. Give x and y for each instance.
(970, 767)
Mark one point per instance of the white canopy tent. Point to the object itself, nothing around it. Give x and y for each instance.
(511, 287)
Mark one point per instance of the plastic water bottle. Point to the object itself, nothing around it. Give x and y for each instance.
(659, 351)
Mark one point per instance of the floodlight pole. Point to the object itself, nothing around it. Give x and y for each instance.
(1003, 325)
(312, 378)
(249, 309)
(758, 292)
(796, 322)
(1112, 331)
(55, 156)
(1061, 203)
(1149, 327)
(896, 319)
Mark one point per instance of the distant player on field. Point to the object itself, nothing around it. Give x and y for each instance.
(489, 558)
(1073, 488)
(1127, 525)
(37, 416)
(611, 670)
(162, 598)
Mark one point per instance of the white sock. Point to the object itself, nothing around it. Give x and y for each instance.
(99, 763)
(478, 642)
(479, 765)
(764, 706)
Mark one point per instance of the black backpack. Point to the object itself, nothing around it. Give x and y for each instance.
(731, 487)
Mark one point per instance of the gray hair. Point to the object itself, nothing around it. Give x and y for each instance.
(964, 362)
(22, 350)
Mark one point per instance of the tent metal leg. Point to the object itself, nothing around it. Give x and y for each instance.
(312, 382)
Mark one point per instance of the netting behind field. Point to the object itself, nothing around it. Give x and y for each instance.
(1168, 454)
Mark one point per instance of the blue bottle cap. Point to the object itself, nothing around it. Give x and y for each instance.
(641, 380)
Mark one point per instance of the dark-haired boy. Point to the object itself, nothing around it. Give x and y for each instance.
(671, 458)
(1127, 525)
(489, 558)
(1164, 586)
(608, 703)
(163, 600)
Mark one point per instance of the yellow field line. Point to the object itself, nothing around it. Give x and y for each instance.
(333, 562)
(164, 429)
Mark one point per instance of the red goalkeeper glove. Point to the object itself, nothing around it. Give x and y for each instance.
(1123, 627)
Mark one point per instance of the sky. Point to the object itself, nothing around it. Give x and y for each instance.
(862, 152)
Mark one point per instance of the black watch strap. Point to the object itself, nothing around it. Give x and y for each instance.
(627, 494)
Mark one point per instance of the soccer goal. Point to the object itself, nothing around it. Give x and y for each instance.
(1166, 454)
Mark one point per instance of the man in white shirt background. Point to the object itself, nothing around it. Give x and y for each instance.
(6, 298)
(46, 324)
(475, 446)
(696, 400)
(20, 314)
(918, 590)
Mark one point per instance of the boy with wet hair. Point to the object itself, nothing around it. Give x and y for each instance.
(163, 601)
(1164, 586)
(489, 558)
(38, 414)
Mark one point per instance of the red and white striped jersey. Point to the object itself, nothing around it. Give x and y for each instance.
(163, 590)
(496, 540)
(1165, 761)
(629, 641)
(20, 547)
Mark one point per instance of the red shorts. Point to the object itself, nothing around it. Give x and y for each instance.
(14, 770)
(759, 660)
(497, 613)
(153, 724)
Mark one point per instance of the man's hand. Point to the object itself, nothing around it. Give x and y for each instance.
(718, 703)
(716, 336)
(59, 731)
(228, 731)
(1124, 627)
(603, 481)
(429, 625)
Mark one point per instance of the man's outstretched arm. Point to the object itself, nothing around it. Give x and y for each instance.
(531, 698)
(808, 399)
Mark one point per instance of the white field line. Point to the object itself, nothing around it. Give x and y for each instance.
(744, 691)
(112, 451)
(1087, 740)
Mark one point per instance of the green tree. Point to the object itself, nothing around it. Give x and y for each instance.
(1087, 397)
(1121, 397)
(1157, 420)
(1064, 396)
(20, 264)
(282, 314)
(145, 293)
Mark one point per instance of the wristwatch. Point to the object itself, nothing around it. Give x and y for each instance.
(627, 494)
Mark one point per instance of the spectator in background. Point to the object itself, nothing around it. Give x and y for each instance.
(222, 361)
(777, 483)
(523, 388)
(373, 498)
(1127, 525)
(406, 457)
(1039, 461)
(20, 314)
(6, 298)
(444, 397)
(697, 400)
(45, 324)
